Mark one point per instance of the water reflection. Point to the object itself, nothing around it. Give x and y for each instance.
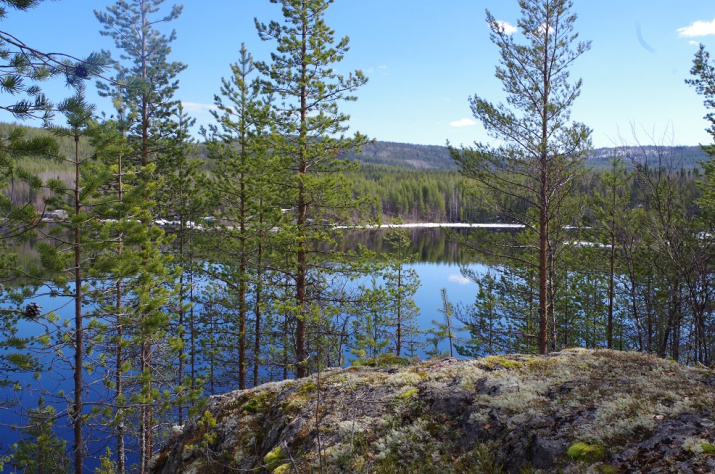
(429, 245)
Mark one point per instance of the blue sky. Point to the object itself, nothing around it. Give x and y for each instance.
(426, 58)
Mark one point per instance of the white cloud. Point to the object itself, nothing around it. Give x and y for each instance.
(381, 68)
(459, 279)
(698, 28)
(463, 123)
(508, 28)
(194, 107)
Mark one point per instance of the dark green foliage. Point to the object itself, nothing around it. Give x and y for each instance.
(157, 135)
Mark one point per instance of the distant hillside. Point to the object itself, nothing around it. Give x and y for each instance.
(673, 157)
(427, 157)
(433, 157)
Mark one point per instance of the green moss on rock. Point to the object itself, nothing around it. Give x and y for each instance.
(383, 360)
(274, 458)
(589, 453)
(409, 393)
(494, 361)
(259, 404)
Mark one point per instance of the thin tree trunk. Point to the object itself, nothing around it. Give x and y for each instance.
(144, 98)
(119, 380)
(544, 205)
(300, 355)
(611, 276)
(77, 408)
(121, 454)
(543, 269)
(242, 267)
(147, 412)
(399, 308)
(259, 290)
(182, 332)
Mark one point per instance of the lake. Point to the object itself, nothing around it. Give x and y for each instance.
(438, 266)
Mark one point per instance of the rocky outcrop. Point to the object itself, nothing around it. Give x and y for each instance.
(574, 411)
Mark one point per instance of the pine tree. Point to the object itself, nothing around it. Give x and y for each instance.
(40, 449)
(150, 76)
(183, 202)
(371, 328)
(132, 264)
(76, 257)
(244, 187)
(704, 83)
(401, 285)
(24, 69)
(110, 144)
(301, 77)
(529, 177)
(484, 320)
(444, 329)
(146, 84)
(610, 211)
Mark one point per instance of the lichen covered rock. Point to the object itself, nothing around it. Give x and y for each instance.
(574, 411)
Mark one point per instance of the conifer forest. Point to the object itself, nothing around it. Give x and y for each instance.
(146, 265)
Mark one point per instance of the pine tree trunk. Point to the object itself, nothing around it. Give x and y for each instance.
(398, 345)
(147, 412)
(544, 204)
(77, 408)
(543, 255)
(259, 290)
(611, 283)
(121, 454)
(242, 274)
(300, 355)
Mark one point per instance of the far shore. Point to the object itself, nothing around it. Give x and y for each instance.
(428, 225)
